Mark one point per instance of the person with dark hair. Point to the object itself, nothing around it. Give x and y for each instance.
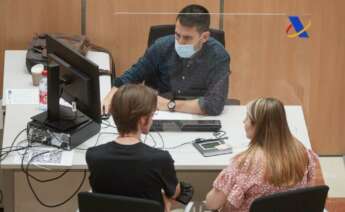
(190, 69)
(127, 166)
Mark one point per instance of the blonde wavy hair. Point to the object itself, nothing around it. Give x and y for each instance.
(285, 158)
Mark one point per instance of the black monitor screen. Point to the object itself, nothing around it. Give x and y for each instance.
(78, 79)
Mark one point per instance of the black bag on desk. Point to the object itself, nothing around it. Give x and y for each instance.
(37, 51)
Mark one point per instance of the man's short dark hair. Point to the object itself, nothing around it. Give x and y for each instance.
(195, 16)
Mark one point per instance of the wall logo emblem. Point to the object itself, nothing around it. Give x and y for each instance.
(296, 23)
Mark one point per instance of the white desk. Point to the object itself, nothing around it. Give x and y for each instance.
(189, 163)
(186, 157)
(16, 75)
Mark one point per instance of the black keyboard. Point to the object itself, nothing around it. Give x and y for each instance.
(186, 125)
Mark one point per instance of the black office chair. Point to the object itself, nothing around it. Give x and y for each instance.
(310, 199)
(92, 202)
(163, 30)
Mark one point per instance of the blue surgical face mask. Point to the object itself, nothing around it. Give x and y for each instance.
(185, 50)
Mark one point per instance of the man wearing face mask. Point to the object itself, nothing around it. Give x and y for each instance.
(190, 69)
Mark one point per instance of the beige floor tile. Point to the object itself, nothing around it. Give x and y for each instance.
(333, 170)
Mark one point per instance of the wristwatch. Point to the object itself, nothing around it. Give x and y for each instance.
(171, 105)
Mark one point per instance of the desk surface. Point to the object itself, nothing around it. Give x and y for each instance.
(186, 157)
(16, 75)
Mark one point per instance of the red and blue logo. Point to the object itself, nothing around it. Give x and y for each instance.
(301, 31)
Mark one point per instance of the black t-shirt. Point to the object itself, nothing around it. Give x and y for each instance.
(131, 170)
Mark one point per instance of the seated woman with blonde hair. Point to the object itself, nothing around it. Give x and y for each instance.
(275, 160)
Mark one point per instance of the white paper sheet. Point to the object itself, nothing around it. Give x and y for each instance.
(47, 156)
(64, 102)
(21, 96)
(165, 115)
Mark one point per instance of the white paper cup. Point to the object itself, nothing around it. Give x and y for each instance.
(36, 73)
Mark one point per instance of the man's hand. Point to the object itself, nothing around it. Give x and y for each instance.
(162, 103)
(106, 103)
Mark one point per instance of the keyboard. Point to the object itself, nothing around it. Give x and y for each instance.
(186, 126)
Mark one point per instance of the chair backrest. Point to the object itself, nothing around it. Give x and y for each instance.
(92, 202)
(163, 30)
(310, 199)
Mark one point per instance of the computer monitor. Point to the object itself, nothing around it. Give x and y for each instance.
(76, 79)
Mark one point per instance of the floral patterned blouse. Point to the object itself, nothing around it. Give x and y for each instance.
(242, 188)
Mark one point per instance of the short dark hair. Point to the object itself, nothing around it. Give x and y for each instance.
(129, 104)
(195, 15)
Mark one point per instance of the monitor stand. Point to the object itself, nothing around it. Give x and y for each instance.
(67, 120)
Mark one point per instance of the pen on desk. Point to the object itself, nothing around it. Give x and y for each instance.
(9, 92)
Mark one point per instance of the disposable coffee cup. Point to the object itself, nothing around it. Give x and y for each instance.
(36, 73)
